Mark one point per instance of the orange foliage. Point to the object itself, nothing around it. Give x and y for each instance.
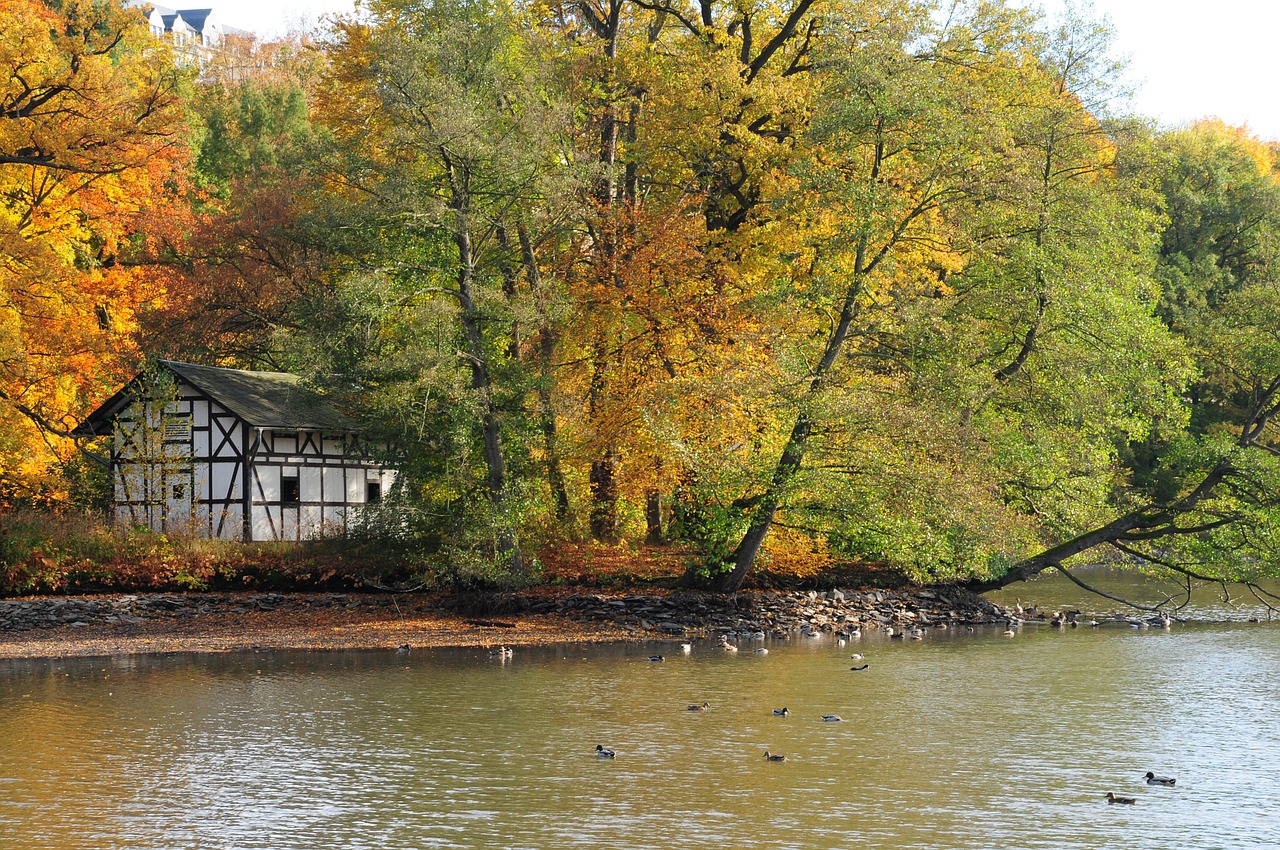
(90, 159)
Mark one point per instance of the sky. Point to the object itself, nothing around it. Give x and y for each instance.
(1188, 59)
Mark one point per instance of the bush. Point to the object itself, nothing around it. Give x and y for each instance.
(77, 551)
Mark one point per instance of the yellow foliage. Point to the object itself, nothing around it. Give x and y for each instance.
(90, 154)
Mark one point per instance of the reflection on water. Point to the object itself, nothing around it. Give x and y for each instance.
(1207, 602)
(962, 740)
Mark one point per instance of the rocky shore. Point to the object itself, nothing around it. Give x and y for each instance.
(213, 622)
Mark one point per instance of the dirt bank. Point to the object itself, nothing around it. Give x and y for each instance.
(37, 627)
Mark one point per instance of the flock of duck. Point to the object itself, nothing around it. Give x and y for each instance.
(1060, 619)
(725, 645)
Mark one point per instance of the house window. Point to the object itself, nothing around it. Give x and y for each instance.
(290, 492)
(373, 492)
(177, 428)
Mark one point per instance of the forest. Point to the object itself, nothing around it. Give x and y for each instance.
(806, 282)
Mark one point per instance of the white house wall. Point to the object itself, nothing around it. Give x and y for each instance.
(223, 468)
(332, 480)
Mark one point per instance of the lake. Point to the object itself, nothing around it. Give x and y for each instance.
(961, 740)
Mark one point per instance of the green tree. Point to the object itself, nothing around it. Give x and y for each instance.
(450, 139)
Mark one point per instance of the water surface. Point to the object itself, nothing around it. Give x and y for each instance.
(962, 740)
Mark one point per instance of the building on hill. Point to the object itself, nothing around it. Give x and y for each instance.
(234, 454)
(198, 36)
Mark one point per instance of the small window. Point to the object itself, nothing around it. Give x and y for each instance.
(177, 428)
(373, 492)
(179, 491)
(290, 492)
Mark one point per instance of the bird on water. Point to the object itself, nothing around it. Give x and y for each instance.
(1125, 801)
(768, 756)
(1152, 779)
(603, 753)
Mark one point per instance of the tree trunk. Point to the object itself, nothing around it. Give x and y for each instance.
(604, 498)
(476, 358)
(547, 339)
(1150, 523)
(792, 457)
(653, 517)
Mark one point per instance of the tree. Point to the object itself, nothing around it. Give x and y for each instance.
(91, 154)
(1202, 500)
(897, 146)
(448, 128)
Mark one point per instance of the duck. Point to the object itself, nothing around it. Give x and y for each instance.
(704, 707)
(1125, 801)
(403, 649)
(761, 651)
(657, 658)
(832, 718)
(500, 652)
(768, 756)
(603, 753)
(1152, 779)
(916, 633)
(728, 647)
(686, 648)
(782, 712)
(857, 656)
(894, 635)
(860, 667)
(757, 635)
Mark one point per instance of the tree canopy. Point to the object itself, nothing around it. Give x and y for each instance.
(811, 281)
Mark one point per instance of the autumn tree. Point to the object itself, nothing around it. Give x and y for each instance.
(91, 156)
(243, 266)
(447, 128)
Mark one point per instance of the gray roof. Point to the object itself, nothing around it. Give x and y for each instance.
(195, 17)
(277, 400)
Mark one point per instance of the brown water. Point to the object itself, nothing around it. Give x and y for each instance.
(961, 740)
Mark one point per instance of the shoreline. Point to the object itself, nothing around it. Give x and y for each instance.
(162, 623)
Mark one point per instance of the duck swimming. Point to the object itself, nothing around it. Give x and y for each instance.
(705, 706)
(1152, 779)
(781, 712)
(1126, 801)
(657, 658)
(500, 652)
(768, 756)
(602, 753)
(832, 718)
(860, 667)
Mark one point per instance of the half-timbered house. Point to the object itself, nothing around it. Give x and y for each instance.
(234, 454)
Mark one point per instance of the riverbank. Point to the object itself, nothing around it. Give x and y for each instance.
(125, 624)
